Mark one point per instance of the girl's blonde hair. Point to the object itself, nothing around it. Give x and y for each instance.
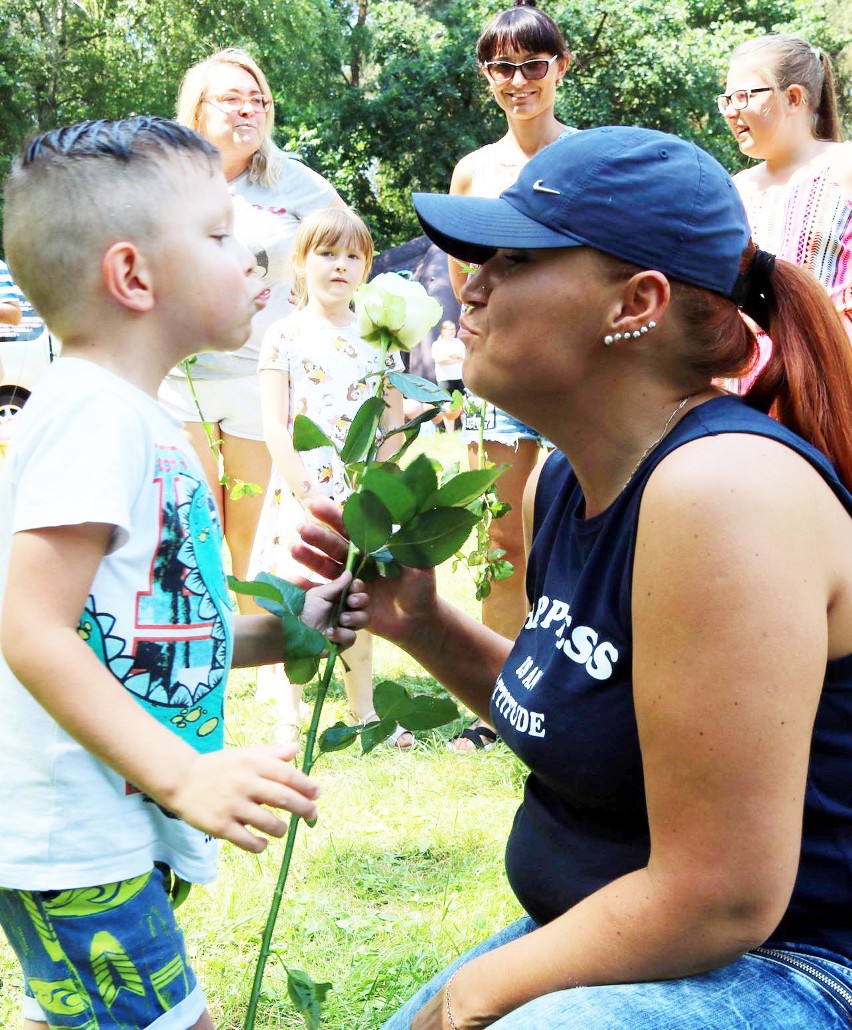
(786, 60)
(331, 226)
(267, 162)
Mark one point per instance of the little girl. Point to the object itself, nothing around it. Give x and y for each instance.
(314, 363)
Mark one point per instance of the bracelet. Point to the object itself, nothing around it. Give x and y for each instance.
(450, 1019)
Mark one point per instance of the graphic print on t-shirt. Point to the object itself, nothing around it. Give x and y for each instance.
(176, 664)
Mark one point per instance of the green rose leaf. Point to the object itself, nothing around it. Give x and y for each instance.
(421, 712)
(464, 488)
(417, 388)
(381, 563)
(375, 732)
(285, 601)
(368, 522)
(307, 435)
(362, 432)
(432, 537)
(391, 491)
(282, 595)
(420, 479)
(307, 996)
(300, 670)
(424, 416)
(337, 737)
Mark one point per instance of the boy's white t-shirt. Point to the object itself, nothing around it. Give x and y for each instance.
(92, 448)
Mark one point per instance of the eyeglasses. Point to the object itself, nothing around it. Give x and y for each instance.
(233, 102)
(739, 99)
(504, 71)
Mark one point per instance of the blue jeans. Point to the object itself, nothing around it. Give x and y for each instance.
(757, 992)
(498, 425)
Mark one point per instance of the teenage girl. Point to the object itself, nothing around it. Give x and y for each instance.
(523, 57)
(314, 363)
(781, 105)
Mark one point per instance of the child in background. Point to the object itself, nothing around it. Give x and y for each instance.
(314, 363)
(448, 355)
(781, 105)
(117, 634)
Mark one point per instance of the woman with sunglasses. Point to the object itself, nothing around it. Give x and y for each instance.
(781, 105)
(523, 58)
(683, 850)
(227, 98)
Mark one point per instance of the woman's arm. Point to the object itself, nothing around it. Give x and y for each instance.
(733, 574)
(460, 184)
(457, 650)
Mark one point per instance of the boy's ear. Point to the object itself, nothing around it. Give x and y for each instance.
(127, 277)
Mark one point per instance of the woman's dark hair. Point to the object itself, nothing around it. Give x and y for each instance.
(522, 27)
(785, 60)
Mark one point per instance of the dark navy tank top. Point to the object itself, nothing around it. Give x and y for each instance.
(563, 703)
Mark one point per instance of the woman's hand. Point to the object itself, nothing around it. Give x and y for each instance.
(435, 1015)
(397, 607)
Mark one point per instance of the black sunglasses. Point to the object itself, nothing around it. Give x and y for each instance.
(503, 71)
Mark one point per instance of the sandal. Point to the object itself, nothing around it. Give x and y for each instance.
(479, 734)
(401, 738)
(287, 733)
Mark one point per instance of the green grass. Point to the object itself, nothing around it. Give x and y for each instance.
(402, 872)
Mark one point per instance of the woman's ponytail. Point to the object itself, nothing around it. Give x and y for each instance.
(807, 382)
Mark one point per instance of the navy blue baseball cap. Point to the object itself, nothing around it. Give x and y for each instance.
(644, 196)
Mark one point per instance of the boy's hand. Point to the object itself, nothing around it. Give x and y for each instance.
(321, 603)
(396, 608)
(226, 792)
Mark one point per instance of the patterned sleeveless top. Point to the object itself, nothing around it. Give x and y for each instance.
(808, 221)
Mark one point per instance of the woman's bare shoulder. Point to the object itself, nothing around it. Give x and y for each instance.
(465, 170)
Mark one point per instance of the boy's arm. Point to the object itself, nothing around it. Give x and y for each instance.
(223, 793)
(275, 408)
(258, 639)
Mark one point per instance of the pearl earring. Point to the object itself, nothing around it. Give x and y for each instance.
(612, 338)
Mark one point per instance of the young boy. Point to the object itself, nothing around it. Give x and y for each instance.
(114, 779)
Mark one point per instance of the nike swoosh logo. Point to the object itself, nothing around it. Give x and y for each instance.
(537, 186)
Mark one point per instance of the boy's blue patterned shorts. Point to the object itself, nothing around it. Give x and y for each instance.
(103, 956)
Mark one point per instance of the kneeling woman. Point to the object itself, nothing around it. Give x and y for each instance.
(682, 688)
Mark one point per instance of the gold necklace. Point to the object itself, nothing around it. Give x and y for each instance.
(659, 439)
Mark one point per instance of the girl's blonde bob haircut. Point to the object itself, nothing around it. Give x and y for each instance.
(267, 162)
(329, 227)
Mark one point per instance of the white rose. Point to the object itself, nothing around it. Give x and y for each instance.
(397, 305)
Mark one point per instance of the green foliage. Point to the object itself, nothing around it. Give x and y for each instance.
(307, 996)
(384, 96)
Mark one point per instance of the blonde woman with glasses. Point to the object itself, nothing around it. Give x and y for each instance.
(227, 98)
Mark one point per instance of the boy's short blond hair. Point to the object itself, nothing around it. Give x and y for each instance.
(74, 191)
(329, 226)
